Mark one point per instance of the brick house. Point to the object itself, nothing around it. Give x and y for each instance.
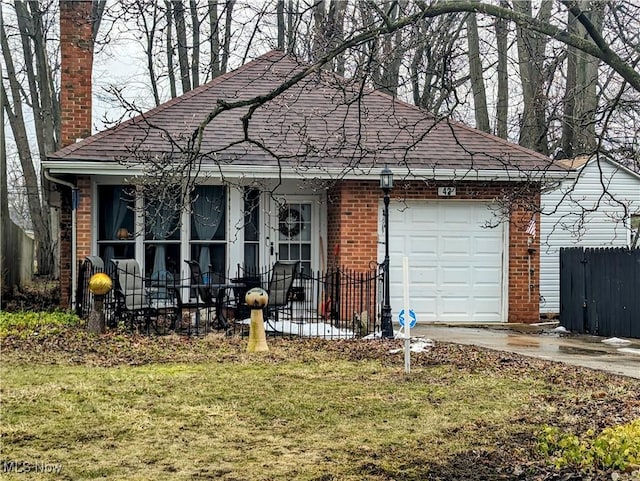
(299, 179)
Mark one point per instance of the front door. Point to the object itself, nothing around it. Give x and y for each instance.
(297, 233)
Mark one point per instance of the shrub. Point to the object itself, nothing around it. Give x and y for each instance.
(24, 324)
(40, 295)
(615, 447)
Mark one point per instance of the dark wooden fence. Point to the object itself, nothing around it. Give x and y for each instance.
(600, 291)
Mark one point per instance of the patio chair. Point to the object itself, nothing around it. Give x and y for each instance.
(210, 293)
(283, 275)
(243, 282)
(162, 289)
(132, 304)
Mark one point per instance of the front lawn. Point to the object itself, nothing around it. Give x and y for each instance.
(129, 407)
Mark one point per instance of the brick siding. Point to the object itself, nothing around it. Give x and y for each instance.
(353, 231)
(76, 51)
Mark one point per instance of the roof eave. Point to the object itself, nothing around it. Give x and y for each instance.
(103, 168)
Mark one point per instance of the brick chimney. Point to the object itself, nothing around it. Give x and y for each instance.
(76, 52)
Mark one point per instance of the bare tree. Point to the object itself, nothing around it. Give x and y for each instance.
(423, 43)
(38, 93)
(16, 116)
(531, 58)
(181, 36)
(226, 44)
(195, 44)
(214, 39)
(435, 61)
(502, 71)
(280, 23)
(169, 50)
(475, 72)
(581, 96)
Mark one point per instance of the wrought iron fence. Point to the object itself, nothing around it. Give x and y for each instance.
(339, 303)
(84, 298)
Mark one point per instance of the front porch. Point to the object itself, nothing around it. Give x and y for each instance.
(338, 303)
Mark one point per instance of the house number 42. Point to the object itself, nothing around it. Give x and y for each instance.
(446, 191)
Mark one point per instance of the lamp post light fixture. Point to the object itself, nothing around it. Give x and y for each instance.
(386, 184)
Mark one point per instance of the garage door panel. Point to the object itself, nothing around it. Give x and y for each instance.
(423, 244)
(455, 246)
(456, 306)
(485, 244)
(454, 224)
(455, 277)
(423, 276)
(487, 276)
(456, 264)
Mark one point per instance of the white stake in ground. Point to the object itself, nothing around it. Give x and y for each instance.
(407, 321)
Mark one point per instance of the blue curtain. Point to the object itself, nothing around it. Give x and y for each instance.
(114, 214)
(208, 212)
(162, 220)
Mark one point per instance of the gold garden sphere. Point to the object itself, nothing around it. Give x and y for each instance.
(100, 284)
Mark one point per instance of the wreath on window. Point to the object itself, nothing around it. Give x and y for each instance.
(290, 221)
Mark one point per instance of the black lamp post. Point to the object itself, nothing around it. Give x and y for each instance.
(386, 184)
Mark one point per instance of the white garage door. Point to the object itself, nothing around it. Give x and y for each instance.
(456, 265)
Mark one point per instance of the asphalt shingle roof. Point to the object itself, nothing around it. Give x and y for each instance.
(321, 122)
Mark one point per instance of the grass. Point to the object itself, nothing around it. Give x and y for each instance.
(253, 421)
(307, 410)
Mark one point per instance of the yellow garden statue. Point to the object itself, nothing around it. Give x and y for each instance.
(257, 299)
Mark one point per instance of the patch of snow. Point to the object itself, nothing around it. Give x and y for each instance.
(416, 345)
(378, 335)
(544, 324)
(629, 350)
(422, 345)
(309, 329)
(616, 341)
(560, 329)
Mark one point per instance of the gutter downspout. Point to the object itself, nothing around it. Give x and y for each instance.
(74, 240)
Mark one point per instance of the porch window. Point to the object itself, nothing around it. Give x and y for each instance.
(635, 231)
(294, 243)
(208, 228)
(115, 223)
(251, 229)
(162, 234)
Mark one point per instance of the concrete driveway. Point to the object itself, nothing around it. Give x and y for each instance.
(542, 341)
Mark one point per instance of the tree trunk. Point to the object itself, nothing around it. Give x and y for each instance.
(318, 40)
(181, 35)
(581, 95)
(195, 47)
(28, 32)
(6, 277)
(291, 26)
(96, 14)
(531, 48)
(150, 34)
(47, 129)
(40, 222)
(169, 47)
(337, 11)
(437, 42)
(281, 27)
(214, 39)
(502, 105)
(475, 71)
(226, 46)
